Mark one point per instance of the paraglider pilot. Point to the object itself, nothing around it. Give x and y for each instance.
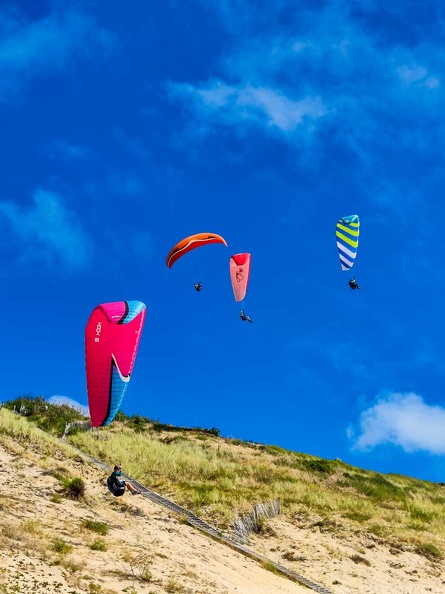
(117, 485)
(244, 317)
(198, 286)
(353, 284)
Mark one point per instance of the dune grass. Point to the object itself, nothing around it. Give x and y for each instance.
(219, 478)
(17, 432)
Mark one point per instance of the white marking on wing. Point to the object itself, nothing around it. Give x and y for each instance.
(124, 378)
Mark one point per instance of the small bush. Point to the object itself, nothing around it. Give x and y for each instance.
(376, 487)
(158, 426)
(9, 531)
(121, 417)
(97, 527)
(183, 519)
(378, 530)
(74, 488)
(430, 551)
(173, 586)
(359, 559)
(138, 423)
(317, 465)
(60, 473)
(71, 566)
(236, 441)
(99, 545)
(290, 556)
(274, 450)
(140, 567)
(32, 526)
(358, 516)
(419, 526)
(62, 547)
(421, 515)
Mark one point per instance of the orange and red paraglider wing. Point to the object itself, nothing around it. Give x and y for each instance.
(190, 243)
(112, 337)
(239, 274)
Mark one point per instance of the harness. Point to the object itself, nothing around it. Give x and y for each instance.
(114, 488)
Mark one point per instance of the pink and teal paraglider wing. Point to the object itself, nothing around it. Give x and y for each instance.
(112, 337)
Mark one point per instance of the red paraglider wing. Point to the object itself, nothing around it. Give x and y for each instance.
(190, 243)
(239, 274)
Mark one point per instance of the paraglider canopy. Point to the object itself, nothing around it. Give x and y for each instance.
(190, 243)
(112, 337)
(239, 274)
(347, 233)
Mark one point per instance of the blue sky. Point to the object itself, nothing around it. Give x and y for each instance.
(122, 131)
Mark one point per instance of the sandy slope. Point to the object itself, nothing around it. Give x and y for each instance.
(150, 551)
(328, 559)
(143, 539)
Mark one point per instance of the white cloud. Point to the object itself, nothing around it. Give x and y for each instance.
(417, 75)
(47, 230)
(59, 400)
(404, 420)
(260, 105)
(299, 46)
(29, 49)
(126, 183)
(289, 64)
(69, 151)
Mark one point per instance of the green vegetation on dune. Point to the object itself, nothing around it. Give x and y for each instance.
(220, 478)
(51, 418)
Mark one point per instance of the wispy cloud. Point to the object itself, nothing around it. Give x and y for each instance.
(69, 151)
(126, 183)
(290, 64)
(50, 44)
(417, 75)
(259, 105)
(341, 356)
(401, 419)
(47, 231)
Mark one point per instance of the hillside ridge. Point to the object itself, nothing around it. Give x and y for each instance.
(210, 530)
(351, 531)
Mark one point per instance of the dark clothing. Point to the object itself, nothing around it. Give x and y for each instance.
(198, 286)
(115, 484)
(116, 478)
(245, 318)
(353, 284)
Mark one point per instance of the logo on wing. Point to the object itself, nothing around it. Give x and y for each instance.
(124, 378)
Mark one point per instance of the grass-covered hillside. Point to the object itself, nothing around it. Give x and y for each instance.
(220, 478)
(64, 533)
